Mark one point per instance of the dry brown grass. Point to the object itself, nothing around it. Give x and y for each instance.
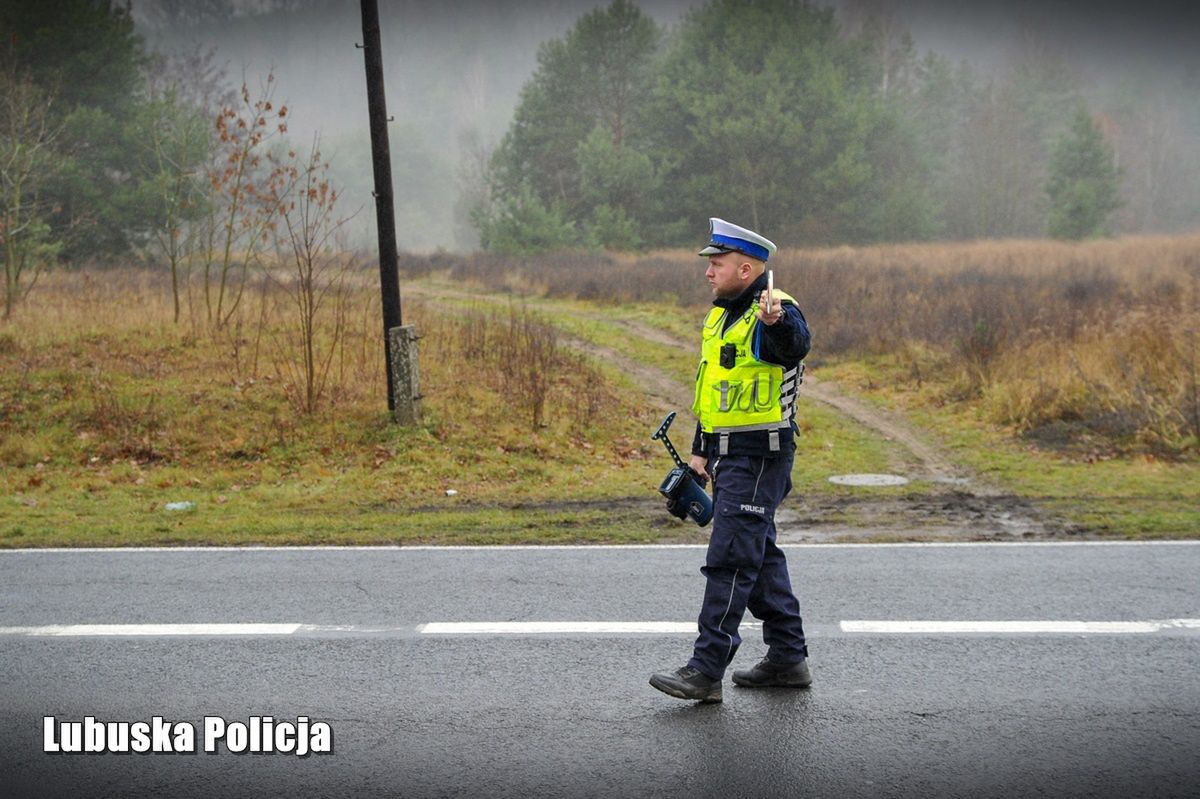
(1059, 340)
(1055, 339)
(1099, 340)
(92, 368)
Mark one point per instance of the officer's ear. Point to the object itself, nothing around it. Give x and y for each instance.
(750, 269)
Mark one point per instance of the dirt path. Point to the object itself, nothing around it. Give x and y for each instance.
(962, 506)
(665, 393)
(933, 462)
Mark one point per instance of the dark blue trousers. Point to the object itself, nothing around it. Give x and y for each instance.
(744, 568)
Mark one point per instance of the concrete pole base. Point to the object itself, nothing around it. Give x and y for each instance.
(406, 385)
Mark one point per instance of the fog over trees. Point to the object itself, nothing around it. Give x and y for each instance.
(453, 74)
(829, 127)
(528, 125)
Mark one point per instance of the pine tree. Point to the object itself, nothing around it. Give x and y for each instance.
(573, 151)
(1084, 181)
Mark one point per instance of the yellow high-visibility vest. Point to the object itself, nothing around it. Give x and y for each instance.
(748, 394)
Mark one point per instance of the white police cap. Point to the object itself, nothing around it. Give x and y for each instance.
(727, 237)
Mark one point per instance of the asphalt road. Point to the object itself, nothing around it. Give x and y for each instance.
(420, 715)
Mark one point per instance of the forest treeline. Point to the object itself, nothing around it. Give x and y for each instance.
(814, 127)
(106, 148)
(110, 152)
(821, 129)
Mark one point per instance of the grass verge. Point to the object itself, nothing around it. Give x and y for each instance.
(106, 420)
(1115, 496)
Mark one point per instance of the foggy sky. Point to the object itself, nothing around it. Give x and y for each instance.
(1107, 35)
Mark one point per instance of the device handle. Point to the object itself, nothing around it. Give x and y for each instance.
(661, 435)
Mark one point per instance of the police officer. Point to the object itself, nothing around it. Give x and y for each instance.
(745, 405)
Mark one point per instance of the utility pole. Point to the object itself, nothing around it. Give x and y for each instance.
(400, 345)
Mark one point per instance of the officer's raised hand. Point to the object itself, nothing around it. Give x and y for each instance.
(769, 314)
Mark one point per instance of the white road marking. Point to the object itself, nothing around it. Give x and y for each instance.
(435, 628)
(583, 547)
(537, 627)
(1008, 627)
(501, 628)
(152, 629)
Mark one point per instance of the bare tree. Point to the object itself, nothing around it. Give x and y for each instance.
(244, 185)
(185, 91)
(176, 146)
(27, 136)
(316, 274)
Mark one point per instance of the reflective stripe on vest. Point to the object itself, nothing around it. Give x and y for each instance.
(752, 394)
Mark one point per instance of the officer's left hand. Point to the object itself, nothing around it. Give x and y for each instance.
(769, 316)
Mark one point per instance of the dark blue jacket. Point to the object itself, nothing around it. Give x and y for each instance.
(785, 343)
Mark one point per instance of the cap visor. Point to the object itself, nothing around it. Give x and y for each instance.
(714, 249)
